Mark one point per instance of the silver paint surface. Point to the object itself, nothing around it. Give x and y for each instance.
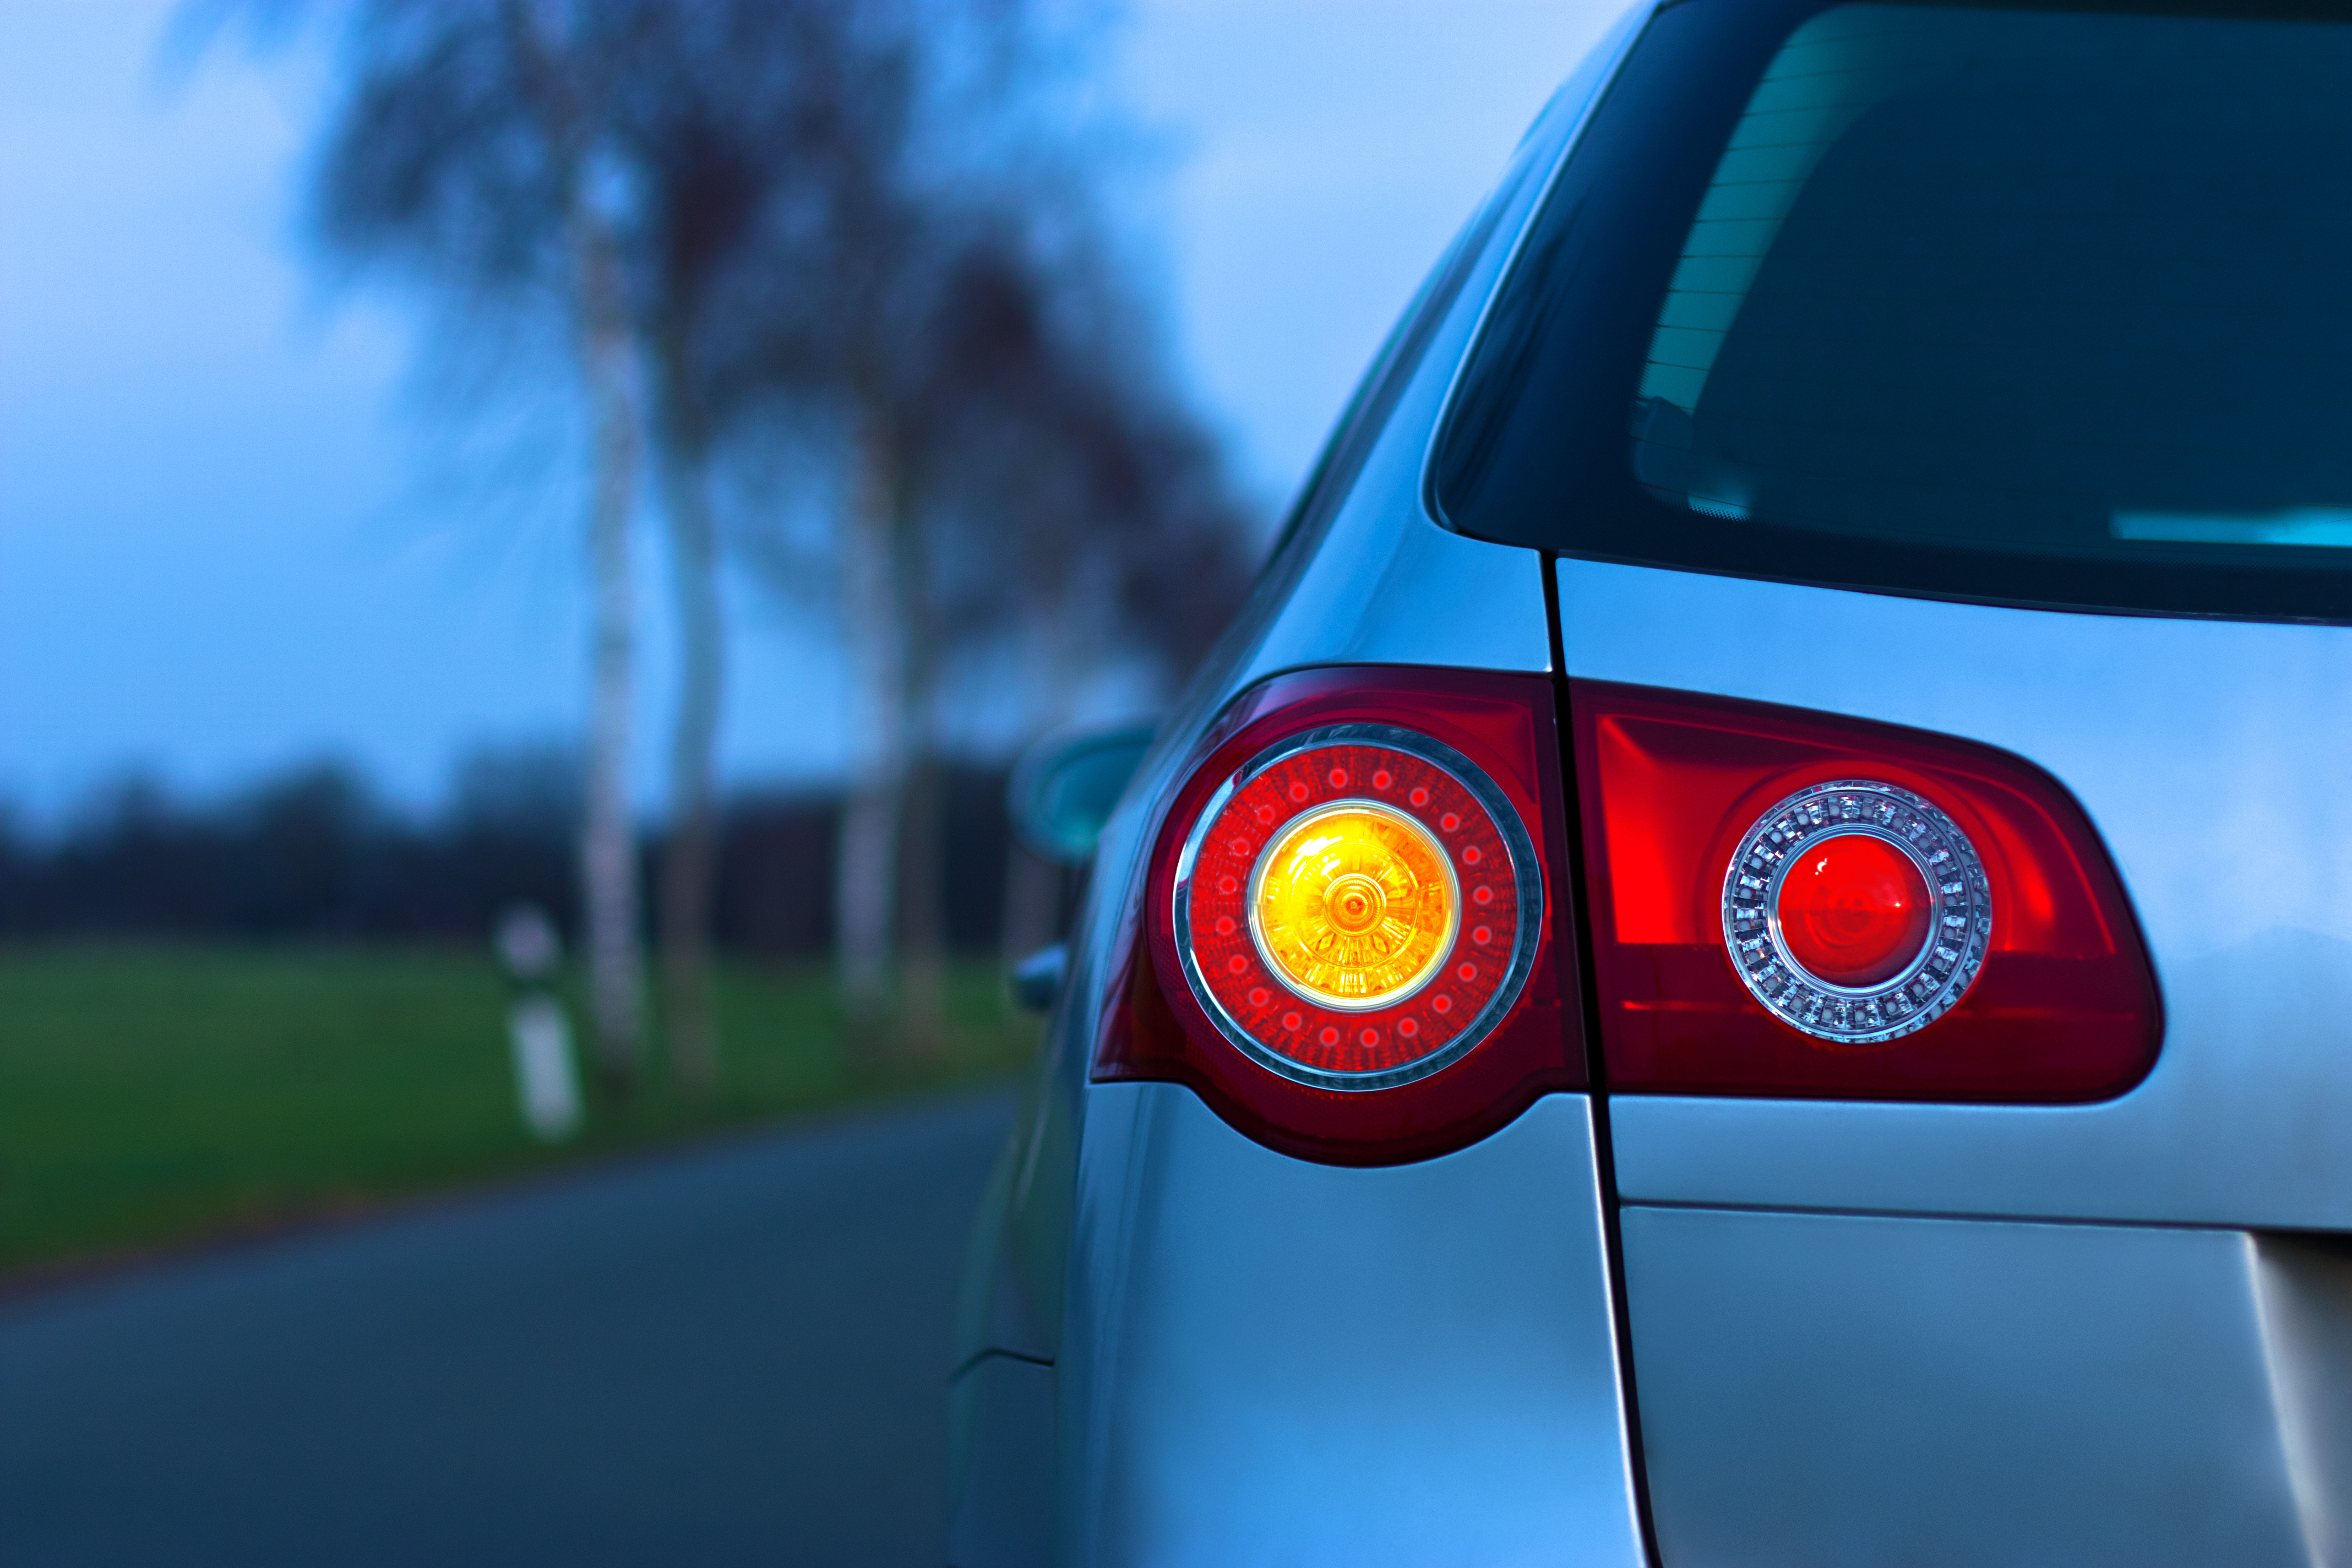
(1269, 1360)
(2305, 1285)
(1822, 1390)
(1001, 1464)
(2215, 758)
(1259, 1359)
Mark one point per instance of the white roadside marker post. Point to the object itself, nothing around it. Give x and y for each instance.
(547, 1081)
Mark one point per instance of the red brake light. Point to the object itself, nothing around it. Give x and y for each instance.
(1853, 910)
(1345, 942)
(1791, 903)
(1856, 912)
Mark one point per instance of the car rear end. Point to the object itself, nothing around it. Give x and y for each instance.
(1850, 541)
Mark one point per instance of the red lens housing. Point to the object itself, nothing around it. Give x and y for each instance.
(1427, 1081)
(2065, 1008)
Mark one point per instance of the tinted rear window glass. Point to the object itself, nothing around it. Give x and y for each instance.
(2043, 307)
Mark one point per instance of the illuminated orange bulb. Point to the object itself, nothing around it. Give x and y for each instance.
(1353, 905)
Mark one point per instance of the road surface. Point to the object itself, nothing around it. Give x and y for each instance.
(736, 1354)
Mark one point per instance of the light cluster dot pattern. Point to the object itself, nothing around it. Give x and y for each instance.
(1352, 908)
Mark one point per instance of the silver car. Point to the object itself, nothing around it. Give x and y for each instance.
(1746, 957)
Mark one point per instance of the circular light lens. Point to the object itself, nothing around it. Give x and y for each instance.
(1856, 912)
(1353, 905)
(1853, 910)
(1358, 907)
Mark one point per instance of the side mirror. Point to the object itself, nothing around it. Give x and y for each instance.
(1037, 979)
(1064, 787)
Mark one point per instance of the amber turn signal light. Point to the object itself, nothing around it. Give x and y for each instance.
(1346, 932)
(1353, 905)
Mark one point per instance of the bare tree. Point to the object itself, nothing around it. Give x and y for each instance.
(470, 156)
(1038, 481)
(818, 298)
(688, 122)
(765, 134)
(561, 85)
(757, 218)
(1100, 529)
(1014, 456)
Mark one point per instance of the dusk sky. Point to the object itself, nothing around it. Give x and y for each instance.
(230, 540)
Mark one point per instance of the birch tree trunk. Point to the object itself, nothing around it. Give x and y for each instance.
(608, 857)
(874, 616)
(608, 375)
(689, 856)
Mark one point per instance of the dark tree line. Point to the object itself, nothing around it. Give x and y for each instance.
(315, 855)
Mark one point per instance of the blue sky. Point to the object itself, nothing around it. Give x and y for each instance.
(229, 538)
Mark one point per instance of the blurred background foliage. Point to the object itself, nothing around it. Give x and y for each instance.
(831, 298)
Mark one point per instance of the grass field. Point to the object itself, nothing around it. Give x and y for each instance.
(153, 1096)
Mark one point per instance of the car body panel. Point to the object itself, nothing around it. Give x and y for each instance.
(1822, 1390)
(1388, 585)
(2213, 757)
(1855, 1336)
(1269, 1360)
(1001, 1464)
(1168, 1445)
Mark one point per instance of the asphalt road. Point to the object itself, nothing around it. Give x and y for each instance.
(736, 1354)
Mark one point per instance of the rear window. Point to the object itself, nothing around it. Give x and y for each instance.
(2039, 307)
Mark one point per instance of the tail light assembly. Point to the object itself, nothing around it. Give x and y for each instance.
(1353, 936)
(1350, 932)
(1798, 904)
